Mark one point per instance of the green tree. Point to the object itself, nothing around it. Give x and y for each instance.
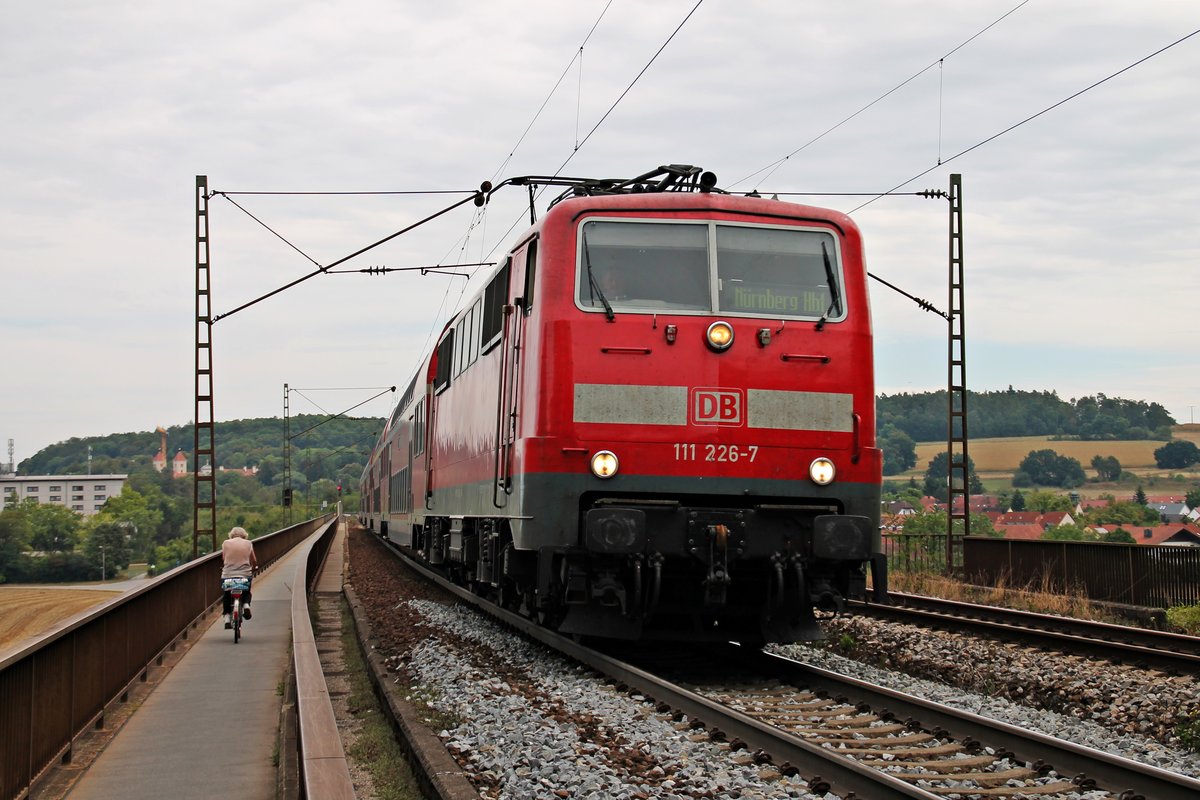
(1048, 501)
(1048, 468)
(899, 450)
(1065, 533)
(132, 512)
(1139, 496)
(108, 544)
(1120, 535)
(1193, 497)
(1108, 468)
(53, 528)
(14, 539)
(1121, 513)
(937, 474)
(1177, 454)
(934, 522)
(1018, 501)
(172, 554)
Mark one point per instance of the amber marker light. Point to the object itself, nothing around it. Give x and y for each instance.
(821, 471)
(719, 335)
(604, 464)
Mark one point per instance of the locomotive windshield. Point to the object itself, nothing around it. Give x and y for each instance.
(709, 268)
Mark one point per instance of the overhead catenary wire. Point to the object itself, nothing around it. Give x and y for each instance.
(579, 145)
(775, 165)
(301, 392)
(537, 114)
(1030, 118)
(342, 413)
(632, 83)
(322, 269)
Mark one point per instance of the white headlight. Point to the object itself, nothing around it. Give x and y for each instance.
(604, 464)
(821, 471)
(719, 335)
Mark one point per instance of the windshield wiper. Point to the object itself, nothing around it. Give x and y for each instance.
(587, 260)
(835, 302)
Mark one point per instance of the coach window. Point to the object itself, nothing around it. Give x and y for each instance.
(476, 325)
(459, 339)
(778, 272)
(445, 362)
(644, 266)
(418, 436)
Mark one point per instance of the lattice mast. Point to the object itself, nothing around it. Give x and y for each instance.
(958, 480)
(204, 511)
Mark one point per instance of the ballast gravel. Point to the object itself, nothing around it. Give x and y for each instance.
(529, 724)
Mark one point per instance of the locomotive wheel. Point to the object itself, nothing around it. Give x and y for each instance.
(510, 597)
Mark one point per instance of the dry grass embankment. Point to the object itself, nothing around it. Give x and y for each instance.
(28, 611)
(1040, 600)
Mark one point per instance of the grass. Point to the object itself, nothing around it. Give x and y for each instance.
(375, 748)
(1186, 618)
(1038, 599)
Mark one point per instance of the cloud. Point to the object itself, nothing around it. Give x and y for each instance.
(1080, 242)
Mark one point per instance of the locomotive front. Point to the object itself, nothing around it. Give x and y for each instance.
(703, 462)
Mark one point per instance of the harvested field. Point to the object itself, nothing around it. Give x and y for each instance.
(1005, 455)
(28, 611)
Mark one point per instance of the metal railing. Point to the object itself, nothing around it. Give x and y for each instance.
(1154, 576)
(916, 552)
(60, 685)
(324, 772)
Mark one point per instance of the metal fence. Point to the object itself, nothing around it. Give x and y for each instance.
(1154, 576)
(916, 552)
(58, 686)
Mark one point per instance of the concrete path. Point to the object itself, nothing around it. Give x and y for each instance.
(209, 730)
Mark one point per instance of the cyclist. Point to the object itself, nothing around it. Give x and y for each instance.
(239, 561)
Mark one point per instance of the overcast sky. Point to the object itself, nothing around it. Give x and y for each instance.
(1082, 236)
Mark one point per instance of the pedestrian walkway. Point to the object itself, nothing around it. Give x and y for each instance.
(210, 729)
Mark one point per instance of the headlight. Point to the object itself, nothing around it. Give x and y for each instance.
(604, 464)
(821, 471)
(719, 335)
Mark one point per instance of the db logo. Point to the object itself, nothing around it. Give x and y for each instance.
(716, 407)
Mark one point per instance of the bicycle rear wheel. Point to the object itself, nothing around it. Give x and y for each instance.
(237, 620)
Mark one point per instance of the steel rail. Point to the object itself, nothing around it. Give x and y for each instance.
(842, 775)
(1170, 651)
(1108, 770)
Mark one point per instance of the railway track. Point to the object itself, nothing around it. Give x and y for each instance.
(848, 736)
(1172, 652)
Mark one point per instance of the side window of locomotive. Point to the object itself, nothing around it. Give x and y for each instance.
(776, 272)
(530, 273)
(494, 298)
(644, 265)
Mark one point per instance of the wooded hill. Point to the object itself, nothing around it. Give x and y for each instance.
(1020, 413)
(322, 448)
(337, 449)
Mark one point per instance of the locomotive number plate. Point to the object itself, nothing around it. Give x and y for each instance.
(726, 453)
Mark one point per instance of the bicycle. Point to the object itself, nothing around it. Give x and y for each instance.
(236, 587)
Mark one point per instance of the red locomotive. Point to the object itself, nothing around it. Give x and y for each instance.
(657, 420)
